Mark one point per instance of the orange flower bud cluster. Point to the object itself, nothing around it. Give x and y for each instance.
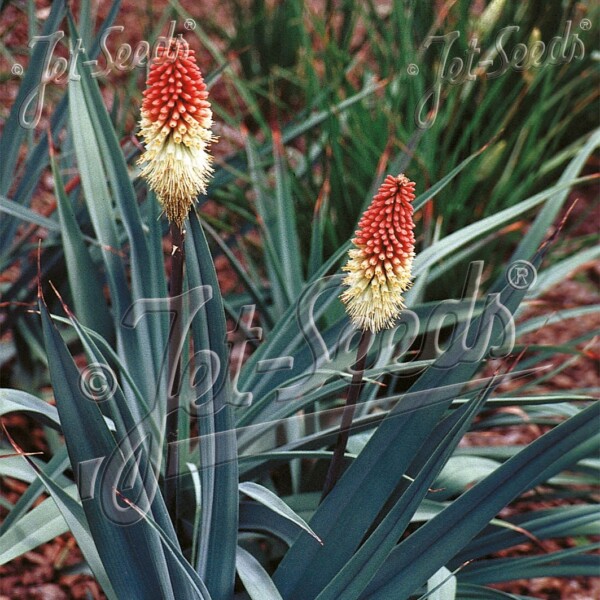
(175, 123)
(379, 268)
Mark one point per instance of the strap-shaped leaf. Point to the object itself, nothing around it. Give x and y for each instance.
(435, 543)
(469, 591)
(348, 511)
(218, 447)
(258, 518)
(441, 586)
(53, 469)
(100, 466)
(354, 577)
(18, 401)
(277, 505)
(27, 98)
(256, 580)
(100, 162)
(38, 158)
(84, 278)
(566, 521)
(365, 487)
(40, 525)
(74, 516)
(549, 212)
(565, 563)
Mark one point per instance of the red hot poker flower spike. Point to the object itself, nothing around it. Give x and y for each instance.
(175, 124)
(379, 268)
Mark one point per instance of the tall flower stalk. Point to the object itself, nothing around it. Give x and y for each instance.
(379, 273)
(175, 125)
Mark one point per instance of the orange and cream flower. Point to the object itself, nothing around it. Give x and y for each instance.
(379, 268)
(176, 125)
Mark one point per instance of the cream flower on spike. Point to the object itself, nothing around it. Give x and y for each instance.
(175, 124)
(379, 268)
